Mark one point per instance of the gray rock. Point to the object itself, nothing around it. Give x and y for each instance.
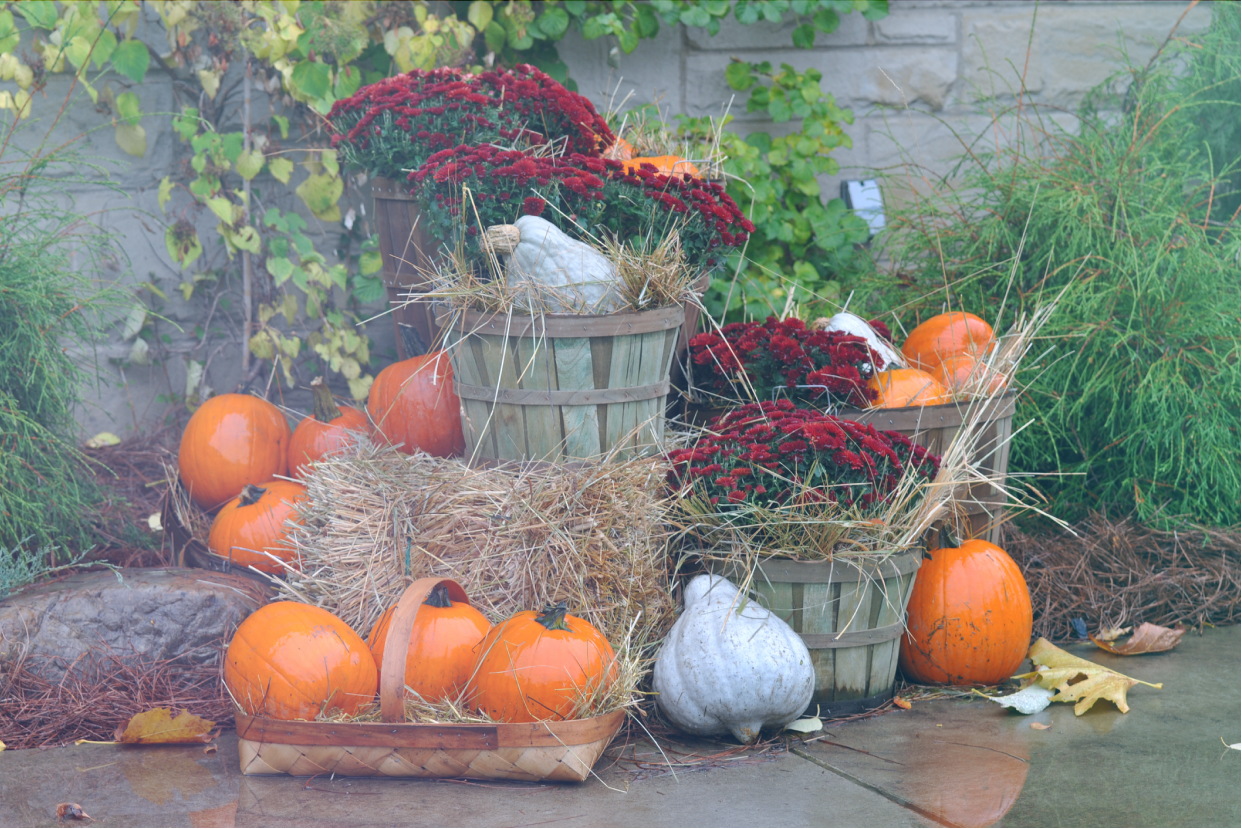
(158, 614)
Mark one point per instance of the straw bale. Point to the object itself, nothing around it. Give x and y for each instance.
(515, 538)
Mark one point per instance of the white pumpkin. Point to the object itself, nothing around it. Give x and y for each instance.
(565, 276)
(848, 323)
(731, 666)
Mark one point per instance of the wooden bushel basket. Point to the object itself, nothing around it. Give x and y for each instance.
(406, 253)
(561, 387)
(558, 751)
(850, 618)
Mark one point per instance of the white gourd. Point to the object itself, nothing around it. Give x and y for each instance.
(724, 670)
(848, 323)
(565, 276)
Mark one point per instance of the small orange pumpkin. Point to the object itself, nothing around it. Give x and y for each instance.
(536, 666)
(667, 164)
(329, 430)
(414, 407)
(969, 616)
(946, 334)
(291, 661)
(231, 440)
(966, 373)
(902, 387)
(621, 150)
(255, 521)
(442, 645)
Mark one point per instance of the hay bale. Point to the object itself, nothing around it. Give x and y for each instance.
(516, 539)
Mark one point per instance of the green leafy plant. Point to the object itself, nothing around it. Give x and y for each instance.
(1138, 407)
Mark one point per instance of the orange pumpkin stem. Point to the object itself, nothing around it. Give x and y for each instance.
(553, 616)
(439, 597)
(250, 495)
(326, 409)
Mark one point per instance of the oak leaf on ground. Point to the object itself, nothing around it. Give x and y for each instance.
(1147, 638)
(159, 726)
(1077, 680)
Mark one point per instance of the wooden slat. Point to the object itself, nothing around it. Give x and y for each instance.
(622, 371)
(507, 422)
(853, 669)
(824, 620)
(601, 368)
(543, 422)
(868, 637)
(574, 370)
(813, 572)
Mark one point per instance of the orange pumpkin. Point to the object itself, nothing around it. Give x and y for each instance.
(414, 407)
(621, 150)
(329, 430)
(291, 661)
(254, 523)
(442, 645)
(944, 335)
(966, 373)
(232, 440)
(969, 616)
(666, 164)
(536, 666)
(902, 387)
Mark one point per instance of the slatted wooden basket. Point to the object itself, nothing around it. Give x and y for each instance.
(562, 387)
(559, 751)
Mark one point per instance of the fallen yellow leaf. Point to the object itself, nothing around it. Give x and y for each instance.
(101, 440)
(1039, 726)
(1148, 638)
(158, 726)
(901, 703)
(1076, 679)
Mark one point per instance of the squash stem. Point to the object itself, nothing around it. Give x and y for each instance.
(250, 495)
(553, 616)
(326, 409)
(439, 597)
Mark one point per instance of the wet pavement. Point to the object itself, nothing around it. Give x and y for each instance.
(947, 762)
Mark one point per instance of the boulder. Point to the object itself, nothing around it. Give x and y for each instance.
(154, 613)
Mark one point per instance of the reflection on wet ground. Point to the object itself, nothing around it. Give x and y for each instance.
(964, 763)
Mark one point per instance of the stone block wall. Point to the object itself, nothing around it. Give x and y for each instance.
(931, 71)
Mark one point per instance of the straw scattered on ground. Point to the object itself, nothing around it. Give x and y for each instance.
(99, 692)
(1116, 573)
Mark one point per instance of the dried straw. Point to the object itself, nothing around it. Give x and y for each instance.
(515, 538)
(1117, 573)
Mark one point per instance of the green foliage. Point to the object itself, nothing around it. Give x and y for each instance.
(802, 244)
(22, 565)
(1138, 407)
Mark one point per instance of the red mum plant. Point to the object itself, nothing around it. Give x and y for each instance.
(767, 454)
(583, 195)
(397, 123)
(786, 354)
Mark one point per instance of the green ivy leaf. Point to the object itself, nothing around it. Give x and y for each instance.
(222, 207)
(827, 21)
(183, 245)
(876, 10)
(280, 268)
(746, 12)
(321, 193)
(132, 139)
(646, 21)
(9, 37)
(368, 289)
(78, 51)
(232, 144)
(695, 16)
(311, 78)
(348, 81)
(302, 280)
(186, 124)
(283, 123)
(249, 164)
(40, 13)
(261, 346)
(132, 60)
(129, 108)
(165, 193)
(479, 14)
(554, 22)
(281, 169)
(370, 262)
(105, 45)
(804, 36)
(739, 77)
(494, 36)
(779, 109)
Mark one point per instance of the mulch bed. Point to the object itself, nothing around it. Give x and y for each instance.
(1117, 573)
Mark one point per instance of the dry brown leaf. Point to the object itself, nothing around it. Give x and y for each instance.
(72, 811)
(211, 749)
(1077, 680)
(158, 726)
(903, 704)
(1039, 726)
(1111, 634)
(1148, 638)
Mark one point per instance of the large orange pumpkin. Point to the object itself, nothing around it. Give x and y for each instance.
(329, 430)
(969, 616)
(902, 387)
(621, 150)
(536, 666)
(946, 334)
(666, 164)
(414, 407)
(232, 440)
(442, 645)
(290, 661)
(254, 523)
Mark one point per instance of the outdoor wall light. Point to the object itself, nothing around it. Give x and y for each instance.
(863, 197)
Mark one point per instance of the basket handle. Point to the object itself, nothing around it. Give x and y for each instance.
(397, 647)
